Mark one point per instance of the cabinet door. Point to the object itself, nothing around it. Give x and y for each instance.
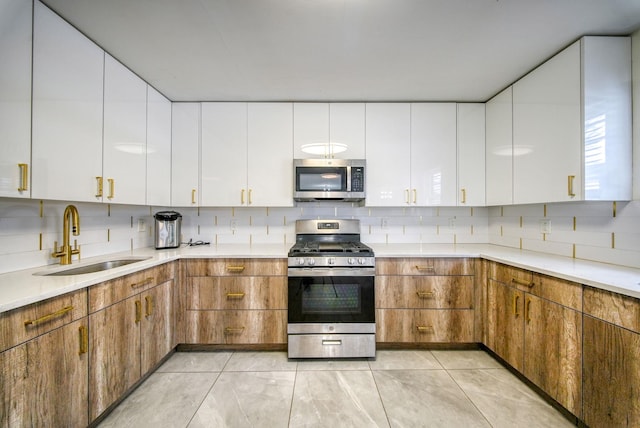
(433, 154)
(15, 98)
(611, 358)
(157, 326)
(158, 149)
(125, 134)
(553, 351)
(505, 327)
(311, 131)
(270, 154)
(44, 381)
(546, 131)
(114, 352)
(67, 110)
(499, 148)
(224, 154)
(388, 154)
(471, 153)
(347, 128)
(185, 154)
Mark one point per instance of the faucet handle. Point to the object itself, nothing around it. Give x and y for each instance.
(76, 249)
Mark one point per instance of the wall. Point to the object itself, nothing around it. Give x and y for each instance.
(635, 68)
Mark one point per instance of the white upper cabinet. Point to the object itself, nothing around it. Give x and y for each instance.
(572, 125)
(125, 135)
(158, 149)
(224, 154)
(15, 98)
(270, 154)
(67, 111)
(329, 130)
(433, 154)
(388, 154)
(471, 152)
(499, 149)
(185, 154)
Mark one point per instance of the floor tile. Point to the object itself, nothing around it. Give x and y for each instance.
(404, 360)
(467, 359)
(196, 362)
(336, 399)
(163, 400)
(260, 362)
(356, 364)
(506, 401)
(247, 399)
(420, 398)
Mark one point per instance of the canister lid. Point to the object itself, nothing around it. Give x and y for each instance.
(167, 215)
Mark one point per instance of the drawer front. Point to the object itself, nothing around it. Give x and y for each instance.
(424, 266)
(424, 325)
(229, 292)
(623, 311)
(236, 267)
(236, 327)
(109, 292)
(513, 276)
(22, 324)
(332, 346)
(442, 292)
(565, 293)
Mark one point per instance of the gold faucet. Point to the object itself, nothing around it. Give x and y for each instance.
(65, 252)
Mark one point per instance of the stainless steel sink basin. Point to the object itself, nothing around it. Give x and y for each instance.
(95, 267)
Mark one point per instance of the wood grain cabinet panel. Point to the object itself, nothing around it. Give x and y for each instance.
(424, 326)
(424, 266)
(445, 292)
(563, 292)
(623, 311)
(43, 382)
(229, 292)
(236, 267)
(505, 326)
(237, 327)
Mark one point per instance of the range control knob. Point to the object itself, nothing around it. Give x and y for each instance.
(331, 261)
(300, 261)
(311, 261)
(351, 261)
(362, 261)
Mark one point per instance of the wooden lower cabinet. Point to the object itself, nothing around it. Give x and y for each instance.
(505, 326)
(44, 381)
(237, 327)
(424, 325)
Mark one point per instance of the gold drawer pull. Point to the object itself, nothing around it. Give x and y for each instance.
(570, 191)
(24, 177)
(138, 311)
(426, 268)
(233, 330)
(425, 294)
(112, 188)
(521, 282)
(148, 300)
(84, 340)
(143, 282)
(516, 297)
(99, 189)
(425, 329)
(235, 295)
(235, 268)
(46, 318)
(527, 310)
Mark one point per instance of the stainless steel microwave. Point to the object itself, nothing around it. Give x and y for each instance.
(328, 179)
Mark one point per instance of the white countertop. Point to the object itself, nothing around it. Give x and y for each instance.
(24, 287)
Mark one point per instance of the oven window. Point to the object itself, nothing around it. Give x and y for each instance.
(321, 179)
(331, 299)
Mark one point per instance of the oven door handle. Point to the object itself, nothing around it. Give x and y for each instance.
(321, 271)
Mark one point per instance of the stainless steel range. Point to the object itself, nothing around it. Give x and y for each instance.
(331, 292)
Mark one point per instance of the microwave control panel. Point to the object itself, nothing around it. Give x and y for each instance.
(357, 179)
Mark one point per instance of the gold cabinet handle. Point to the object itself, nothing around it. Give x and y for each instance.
(425, 268)
(24, 177)
(527, 310)
(112, 188)
(46, 318)
(235, 295)
(143, 282)
(233, 330)
(242, 197)
(464, 196)
(84, 340)
(570, 179)
(415, 196)
(148, 301)
(236, 269)
(425, 329)
(249, 201)
(406, 196)
(99, 190)
(515, 305)
(521, 282)
(425, 294)
(138, 311)
(193, 196)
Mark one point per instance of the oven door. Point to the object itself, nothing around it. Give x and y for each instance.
(331, 295)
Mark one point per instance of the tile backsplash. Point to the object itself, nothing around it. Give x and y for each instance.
(28, 228)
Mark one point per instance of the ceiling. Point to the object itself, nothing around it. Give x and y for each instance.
(340, 50)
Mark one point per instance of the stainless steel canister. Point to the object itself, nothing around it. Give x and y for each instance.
(168, 229)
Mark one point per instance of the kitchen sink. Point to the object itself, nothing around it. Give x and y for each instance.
(94, 267)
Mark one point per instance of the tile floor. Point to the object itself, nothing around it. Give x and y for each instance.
(396, 389)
